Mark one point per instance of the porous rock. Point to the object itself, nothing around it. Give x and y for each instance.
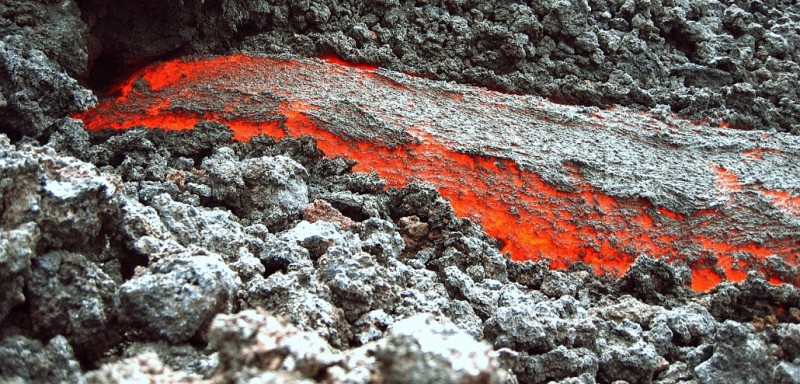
(299, 297)
(738, 357)
(186, 358)
(725, 62)
(73, 297)
(68, 199)
(175, 297)
(323, 210)
(729, 62)
(44, 49)
(252, 341)
(30, 361)
(37, 92)
(17, 248)
(145, 367)
(277, 190)
(423, 349)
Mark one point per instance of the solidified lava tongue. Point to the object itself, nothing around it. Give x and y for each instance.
(549, 181)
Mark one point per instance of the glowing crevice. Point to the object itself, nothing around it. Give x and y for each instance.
(532, 218)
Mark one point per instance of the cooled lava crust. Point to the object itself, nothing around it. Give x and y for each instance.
(549, 181)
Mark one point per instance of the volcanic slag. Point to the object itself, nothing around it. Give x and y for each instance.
(269, 216)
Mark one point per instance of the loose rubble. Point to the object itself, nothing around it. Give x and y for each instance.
(175, 280)
(183, 257)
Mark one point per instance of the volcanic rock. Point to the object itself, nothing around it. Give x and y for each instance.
(42, 51)
(18, 248)
(323, 210)
(625, 185)
(277, 186)
(148, 255)
(29, 361)
(144, 367)
(73, 297)
(732, 63)
(175, 297)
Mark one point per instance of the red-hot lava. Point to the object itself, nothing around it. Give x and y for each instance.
(401, 132)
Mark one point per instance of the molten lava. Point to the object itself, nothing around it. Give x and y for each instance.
(469, 142)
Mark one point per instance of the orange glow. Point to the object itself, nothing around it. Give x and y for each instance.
(727, 180)
(532, 219)
(784, 200)
(333, 59)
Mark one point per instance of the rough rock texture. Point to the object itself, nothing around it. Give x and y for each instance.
(731, 62)
(24, 360)
(95, 248)
(419, 349)
(17, 248)
(178, 263)
(71, 296)
(68, 200)
(174, 298)
(43, 50)
(50, 202)
(276, 186)
(576, 183)
(145, 367)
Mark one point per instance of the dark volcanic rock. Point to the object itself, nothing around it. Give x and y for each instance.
(43, 50)
(732, 62)
(54, 28)
(71, 296)
(29, 361)
(163, 259)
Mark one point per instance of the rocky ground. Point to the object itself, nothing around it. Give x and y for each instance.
(172, 257)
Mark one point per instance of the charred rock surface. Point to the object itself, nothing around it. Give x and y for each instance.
(123, 258)
(729, 62)
(578, 183)
(43, 50)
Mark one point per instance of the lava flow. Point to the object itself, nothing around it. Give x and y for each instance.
(555, 182)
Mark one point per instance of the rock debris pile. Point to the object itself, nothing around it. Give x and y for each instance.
(185, 257)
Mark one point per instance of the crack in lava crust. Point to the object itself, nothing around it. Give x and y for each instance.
(475, 146)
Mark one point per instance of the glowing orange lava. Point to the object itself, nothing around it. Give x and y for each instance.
(532, 218)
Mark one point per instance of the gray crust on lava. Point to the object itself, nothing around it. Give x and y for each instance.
(104, 235)
(177, 287)
(725, 61)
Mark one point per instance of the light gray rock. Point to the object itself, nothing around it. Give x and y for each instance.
(68, 199)
(381, 239)
(738, 358)
(423, 349)
(185, 358)
(786, 373)
(17, 249)
(299, 297)
(252, 341)
(176, 297)
(146, 367)
(277, 190)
